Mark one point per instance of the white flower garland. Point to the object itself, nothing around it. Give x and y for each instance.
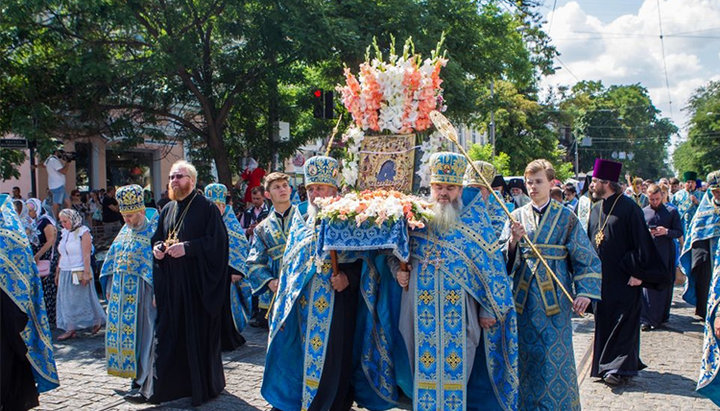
(436, 142)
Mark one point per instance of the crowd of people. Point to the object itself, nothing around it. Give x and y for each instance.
(479, 317)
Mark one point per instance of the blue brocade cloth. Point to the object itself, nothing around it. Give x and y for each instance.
(20, 281)
(347, 236)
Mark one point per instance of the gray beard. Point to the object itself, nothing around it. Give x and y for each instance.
(446, 215)
(311, 211)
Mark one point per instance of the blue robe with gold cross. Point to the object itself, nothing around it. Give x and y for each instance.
(455, 276)
(686, 208)
(20, 281)
(240, 291)
(708, 383)
(548, 378)
(266, 255)
(129, 263)
(704, 226)
(300, 328)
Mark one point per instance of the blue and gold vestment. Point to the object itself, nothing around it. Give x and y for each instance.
(20, 281)
(240, 292)
(266, 255)
(129, 262)
(548, 378)
(300, 328)
(708, 384)
(452, 273)
(704, 226)
(494, 209)
(686, 208)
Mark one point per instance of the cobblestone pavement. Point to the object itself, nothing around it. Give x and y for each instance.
(672, 355)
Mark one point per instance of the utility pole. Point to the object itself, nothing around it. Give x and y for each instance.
(492, 116)
(577, 163)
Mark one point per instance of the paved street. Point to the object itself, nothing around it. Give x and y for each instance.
(672, 356)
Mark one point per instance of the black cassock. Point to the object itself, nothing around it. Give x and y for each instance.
(627, 250)
(656, 303)
(190, 292)
(17, 384)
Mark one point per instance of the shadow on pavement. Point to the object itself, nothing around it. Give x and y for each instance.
(659, 383)
(225, 401)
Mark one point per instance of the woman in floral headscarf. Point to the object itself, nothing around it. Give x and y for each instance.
(77, 301)
(42, 235)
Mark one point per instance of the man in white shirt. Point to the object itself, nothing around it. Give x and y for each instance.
(56, 170)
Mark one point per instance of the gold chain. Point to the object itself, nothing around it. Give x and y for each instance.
(172, 233)
(600, 235)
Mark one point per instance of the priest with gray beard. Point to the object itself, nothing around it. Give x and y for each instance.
(458, 272)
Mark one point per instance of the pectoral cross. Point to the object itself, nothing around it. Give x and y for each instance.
(599, 237)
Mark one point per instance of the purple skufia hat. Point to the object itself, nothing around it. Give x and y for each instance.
(607, 170)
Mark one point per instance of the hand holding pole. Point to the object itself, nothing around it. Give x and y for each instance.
(444, 126)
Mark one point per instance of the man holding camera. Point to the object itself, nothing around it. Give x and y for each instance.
(56, 170)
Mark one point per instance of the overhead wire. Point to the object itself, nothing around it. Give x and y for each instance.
(662, 48)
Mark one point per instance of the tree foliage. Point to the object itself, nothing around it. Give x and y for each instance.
(701, 152)
(618, 122)
(484, 152)
(217, 74)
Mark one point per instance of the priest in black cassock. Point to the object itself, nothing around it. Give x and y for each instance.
(665, 226)
(630, 261)
(191, 282)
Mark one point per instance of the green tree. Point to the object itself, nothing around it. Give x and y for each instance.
(484, 152)
(521, 126)
(218, 74)
(619, 122)
(701, 152)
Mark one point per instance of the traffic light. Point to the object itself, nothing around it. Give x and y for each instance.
(318, 103)
(329, 112)
(323, 104)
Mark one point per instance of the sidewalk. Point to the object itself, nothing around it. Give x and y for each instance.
(672, 356)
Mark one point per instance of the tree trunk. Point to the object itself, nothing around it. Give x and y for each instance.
(220, 155)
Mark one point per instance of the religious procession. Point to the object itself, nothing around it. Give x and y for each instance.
(402, 273)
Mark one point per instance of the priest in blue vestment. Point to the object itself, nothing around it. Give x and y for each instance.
(687, 201)
(268, 241)
(458, 299)
(128, 265)
(548, 378)
(696, 259)
(238, 307)
(475, 185)
(309, 364)
(27, 365)
(709, 213)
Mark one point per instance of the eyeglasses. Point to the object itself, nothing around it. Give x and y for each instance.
(172, 177)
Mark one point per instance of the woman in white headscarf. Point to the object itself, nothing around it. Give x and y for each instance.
(43, 234)
(78, 305)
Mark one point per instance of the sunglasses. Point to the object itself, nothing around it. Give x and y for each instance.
(172, 177)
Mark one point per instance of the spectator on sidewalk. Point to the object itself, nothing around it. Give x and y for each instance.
(56, 170)
(42, 241)
(111, 214)
(255, 214)
(78, 305)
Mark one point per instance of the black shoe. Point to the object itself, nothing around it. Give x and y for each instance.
(612, 380)
(646, 327)
(136, 398)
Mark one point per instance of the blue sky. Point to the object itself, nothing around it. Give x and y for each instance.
(617, 41)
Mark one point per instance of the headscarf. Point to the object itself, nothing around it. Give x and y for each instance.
(40, 212)
(75, 218)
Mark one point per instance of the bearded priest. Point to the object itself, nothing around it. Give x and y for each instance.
(457, 318)
(191, 284)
